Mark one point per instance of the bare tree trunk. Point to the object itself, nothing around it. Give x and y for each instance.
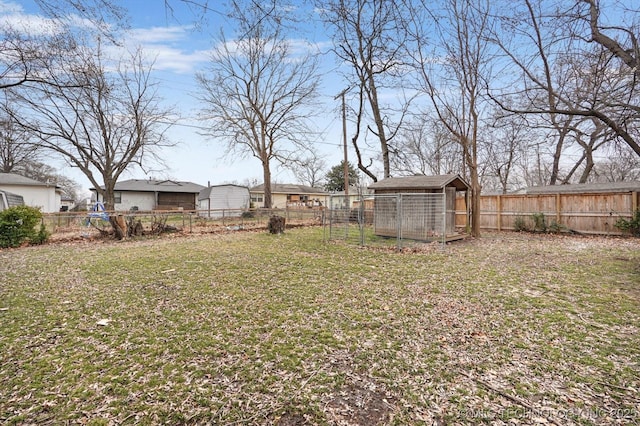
(475, 205)
(266, 175)
(119, 226)
(562, 131)
(369, 38)
(372, 93)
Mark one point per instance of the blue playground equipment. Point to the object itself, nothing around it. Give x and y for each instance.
(97, 212)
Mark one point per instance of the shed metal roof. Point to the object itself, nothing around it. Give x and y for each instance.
(598, 187)
(421, 182)
(206, 192)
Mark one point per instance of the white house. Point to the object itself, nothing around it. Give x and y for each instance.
(44, 196)
(150, 194)
(223, 200)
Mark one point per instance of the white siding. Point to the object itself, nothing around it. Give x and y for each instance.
(42, 197)
(141, 200)
(224, 197)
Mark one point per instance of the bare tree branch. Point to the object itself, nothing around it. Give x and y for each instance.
(257, 94)
(109, 122)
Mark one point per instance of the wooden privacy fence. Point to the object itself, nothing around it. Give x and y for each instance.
(591, 213)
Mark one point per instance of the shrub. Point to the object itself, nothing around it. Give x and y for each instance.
(632, 226)
(556, 228)
(17, 225)
(41, 236)
(520, 224)
(539, 222)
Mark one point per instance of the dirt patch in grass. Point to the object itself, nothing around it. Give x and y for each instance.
(360, 404)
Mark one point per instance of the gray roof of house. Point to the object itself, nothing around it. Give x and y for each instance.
(585, 188)
(151, 185)
(289, 188)
(14, 179)
(206, 192)
(421, 182)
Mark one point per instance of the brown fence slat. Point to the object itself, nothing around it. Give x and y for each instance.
(593, 213)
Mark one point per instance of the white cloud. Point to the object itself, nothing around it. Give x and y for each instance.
(14, 18)
(167, 47)
(170, 59)
(10, 7)
(159, 34)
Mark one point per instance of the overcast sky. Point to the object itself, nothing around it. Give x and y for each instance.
(179, 48)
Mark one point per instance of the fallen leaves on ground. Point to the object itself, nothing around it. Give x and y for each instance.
(249, 328)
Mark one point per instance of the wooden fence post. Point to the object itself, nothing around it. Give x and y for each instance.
(499, 212)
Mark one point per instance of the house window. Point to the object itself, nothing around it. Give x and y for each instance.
(256, 198)
(117, 197)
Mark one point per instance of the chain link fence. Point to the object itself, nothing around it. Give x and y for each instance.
(391, 220)
(71, 225)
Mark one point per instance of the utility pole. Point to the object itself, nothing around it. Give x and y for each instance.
(344, 144)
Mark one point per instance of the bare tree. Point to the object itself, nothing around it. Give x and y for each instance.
(455, 81)
(425, 146)
(106, 16)
(110, 121)
(589, 139)
(28, 58)
(370, 38)
(534, 167)
(622, 41)
(28, 54)
(310, 170)
(577, 31)
(621, 166)
(507, 142)
(15, 149)
(257, 93)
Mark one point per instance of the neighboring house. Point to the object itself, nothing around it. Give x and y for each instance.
(149, 194)
(290, 196)
(223, 200)
(44, 196)
(8, 199)
(356, 194)
(66, 203)
(585, 188)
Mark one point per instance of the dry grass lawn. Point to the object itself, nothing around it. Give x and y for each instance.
(250, 328)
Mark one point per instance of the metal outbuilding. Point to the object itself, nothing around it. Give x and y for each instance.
(223, 200)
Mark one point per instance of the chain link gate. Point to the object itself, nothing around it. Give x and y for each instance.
(391, 219)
